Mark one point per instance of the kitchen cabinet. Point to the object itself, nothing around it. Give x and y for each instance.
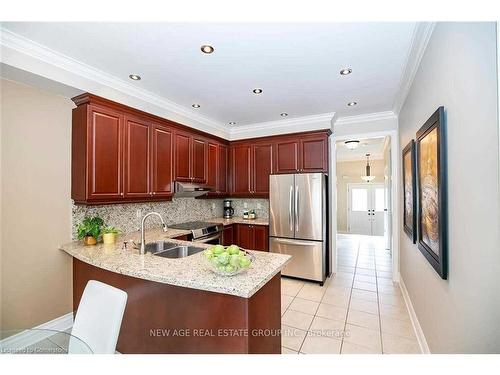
(162, 161)
(228, 235)
(217, 169)
(304, 154)
(251, 166)
(252, 237)
(137, 158)
(190, 158)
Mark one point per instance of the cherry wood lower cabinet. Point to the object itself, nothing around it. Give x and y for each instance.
(252, 237)
(228, 237)
(158, 317)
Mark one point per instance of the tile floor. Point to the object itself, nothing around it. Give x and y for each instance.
(359, 310)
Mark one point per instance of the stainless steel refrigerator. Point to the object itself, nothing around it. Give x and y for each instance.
(298, 223)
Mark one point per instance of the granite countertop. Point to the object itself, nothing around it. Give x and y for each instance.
(189, 272)
(239, 220)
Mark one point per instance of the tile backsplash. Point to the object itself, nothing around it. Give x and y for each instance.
(127, 217)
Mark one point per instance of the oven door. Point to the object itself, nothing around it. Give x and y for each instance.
(211, 239)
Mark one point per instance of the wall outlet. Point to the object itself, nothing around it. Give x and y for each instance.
(213, 206)
(245, 205)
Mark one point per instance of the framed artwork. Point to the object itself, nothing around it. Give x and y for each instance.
(410, 191)
(432, 217)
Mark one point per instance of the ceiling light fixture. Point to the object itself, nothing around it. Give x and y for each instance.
(284, 114)
(257, 91)
(345, 71)
(232, 123)
(368, 177)
(352, 104)
(135, 77)
(207, 49)
(351, 145)
(195, 106)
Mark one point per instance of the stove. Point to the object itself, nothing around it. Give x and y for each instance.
(202, 231)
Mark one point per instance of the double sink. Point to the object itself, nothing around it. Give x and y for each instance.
(171, 250)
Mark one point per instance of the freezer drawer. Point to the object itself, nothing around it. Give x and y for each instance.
(307, 257)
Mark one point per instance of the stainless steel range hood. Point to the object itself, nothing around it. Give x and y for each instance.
(189, 189)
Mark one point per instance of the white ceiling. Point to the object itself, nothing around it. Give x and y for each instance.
(372, 146)
(297, 65)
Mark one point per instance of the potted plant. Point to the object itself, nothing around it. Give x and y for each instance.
(89, 230)
(109, 234)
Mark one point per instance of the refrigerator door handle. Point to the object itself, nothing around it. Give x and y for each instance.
(290, 217)
(296, 208)
(295, 242)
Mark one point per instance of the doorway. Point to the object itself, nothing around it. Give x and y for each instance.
(365, 209)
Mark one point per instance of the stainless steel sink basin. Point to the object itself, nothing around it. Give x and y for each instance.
(171, 250)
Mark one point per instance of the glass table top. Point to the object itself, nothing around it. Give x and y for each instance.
(41, 341)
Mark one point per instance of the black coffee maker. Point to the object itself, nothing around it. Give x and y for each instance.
(228, 210)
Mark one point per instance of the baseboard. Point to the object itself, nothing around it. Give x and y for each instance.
(422, 342)
(38, 333)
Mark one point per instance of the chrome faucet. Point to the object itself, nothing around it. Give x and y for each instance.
(143, 239)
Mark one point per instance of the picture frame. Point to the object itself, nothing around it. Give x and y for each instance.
(409, 191)
(432, 212)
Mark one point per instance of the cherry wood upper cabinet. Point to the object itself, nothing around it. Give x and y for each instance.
(302, 153)
(212, 165)
(287, 156)
(262, 168)
(222, 169)
(199, 160)
(137, 158)
(105, 151)
(240, 169)
(314, 154)
(182, 157)
(162, 161)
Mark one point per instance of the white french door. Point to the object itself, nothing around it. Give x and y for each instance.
(366, 209)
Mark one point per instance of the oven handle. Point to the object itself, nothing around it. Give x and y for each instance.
(204, 240)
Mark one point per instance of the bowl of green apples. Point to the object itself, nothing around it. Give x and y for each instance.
(227, 260)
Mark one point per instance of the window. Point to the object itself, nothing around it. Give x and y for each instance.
(359, 199)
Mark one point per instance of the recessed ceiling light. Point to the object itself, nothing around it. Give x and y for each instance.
(345, 71)
(257, 91)
(351, 145)
(284, 114)
(232, 123)
(207, 48)
(195, 106)
(351, 104)
(135, 77)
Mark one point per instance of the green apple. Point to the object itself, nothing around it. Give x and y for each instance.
(245, 262)
(223, 258)
(235, 260)
(217, 249)
(208, 254)
(233, 249)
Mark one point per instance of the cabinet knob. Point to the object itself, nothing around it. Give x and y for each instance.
(154, 192)
(121, 194)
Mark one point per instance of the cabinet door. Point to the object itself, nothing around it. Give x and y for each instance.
(222, 170)
(287, 156)
(212, 166)
(240, 168)
(162, 161)
(105, 154)
(227, 235)
(136, 158)
(182, 157)
(261, 237)
(199, 160)
(245, 236)
(262, 168)
(314, 155)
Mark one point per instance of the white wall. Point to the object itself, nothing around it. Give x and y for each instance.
(458, 71)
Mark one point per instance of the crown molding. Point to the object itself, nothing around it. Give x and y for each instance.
(28, 55)
(367, 117)
(420, 39)
(292, 125)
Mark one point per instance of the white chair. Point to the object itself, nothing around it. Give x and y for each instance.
(98, 318)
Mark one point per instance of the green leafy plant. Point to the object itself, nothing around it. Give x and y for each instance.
(110, 229)
(90, 226)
